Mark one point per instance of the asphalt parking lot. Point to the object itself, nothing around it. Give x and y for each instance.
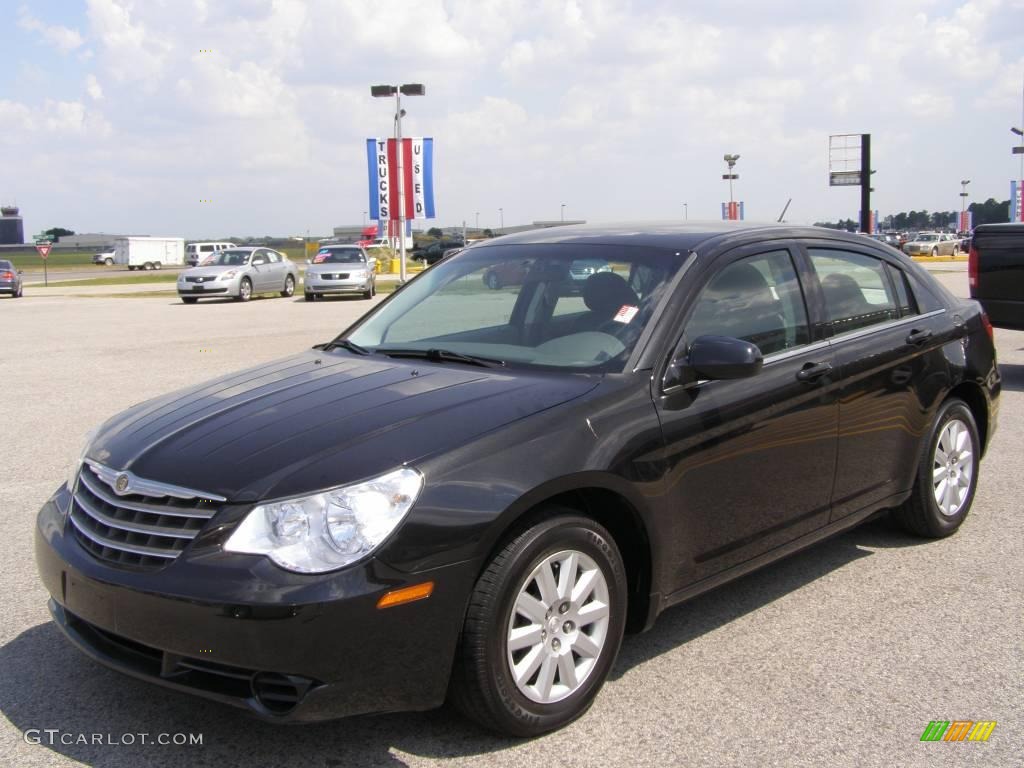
(840, 655)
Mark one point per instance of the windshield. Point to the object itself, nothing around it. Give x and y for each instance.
(227, 259)
(338, 256)
(927, 238)
(570, 306)
(6, 265)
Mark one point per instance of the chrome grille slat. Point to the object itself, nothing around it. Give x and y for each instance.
(135, 549)
(144, 524)
(139, 506)
(133, 527)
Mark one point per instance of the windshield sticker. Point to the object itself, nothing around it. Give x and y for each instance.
(625, 314)
(321, 257)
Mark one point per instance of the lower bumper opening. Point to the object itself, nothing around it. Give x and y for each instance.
(267, 693)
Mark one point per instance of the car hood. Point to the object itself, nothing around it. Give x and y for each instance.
(212, 271)
(319, 419)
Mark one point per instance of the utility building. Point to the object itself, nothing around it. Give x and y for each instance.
(12, 230)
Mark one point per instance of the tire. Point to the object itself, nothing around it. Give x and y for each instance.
(956, 250)
(147, 266)
(310, 296)
(245, 289)
(492, 281)
(935, 251)
(483, 685)
(131, 269)
(189, 299)
(368, 293)
(157, 265)
(289, 287)
(922, 514)
(108, 262)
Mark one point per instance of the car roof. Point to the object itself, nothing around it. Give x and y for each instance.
(679, 235)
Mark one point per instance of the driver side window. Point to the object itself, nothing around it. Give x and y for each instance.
(757, 299)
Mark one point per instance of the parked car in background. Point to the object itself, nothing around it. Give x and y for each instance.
(105, 257)
(10, 280)
(932, 244)
(995, 272)
(471, 495)
(434, 252)
(238, 273)
(338, 270)
(195, 253)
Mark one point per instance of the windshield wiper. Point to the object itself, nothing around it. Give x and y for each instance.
(351, 346)
(443, 356)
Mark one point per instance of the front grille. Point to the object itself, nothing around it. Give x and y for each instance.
(137, 530)
(199, 279)
(335, 276)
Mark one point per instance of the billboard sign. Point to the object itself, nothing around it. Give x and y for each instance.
(418, 170)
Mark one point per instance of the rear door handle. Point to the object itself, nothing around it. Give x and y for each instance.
(812, 371)
(919, 336)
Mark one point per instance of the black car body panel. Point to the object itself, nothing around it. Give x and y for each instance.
(997, 266)
(699, 481)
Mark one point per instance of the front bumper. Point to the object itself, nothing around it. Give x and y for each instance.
(360, 285)
(217, 288)
(237, 629)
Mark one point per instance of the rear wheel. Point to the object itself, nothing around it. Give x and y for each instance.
(543, 628)
(289, 286)
(147, 266)
(309, 296)
(245, 289)
(947, 474)
(956, 250)
(189, 299)
(157, 265)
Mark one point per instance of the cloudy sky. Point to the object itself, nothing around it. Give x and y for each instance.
(123, 115)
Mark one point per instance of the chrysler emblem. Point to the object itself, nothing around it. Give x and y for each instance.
(121, 484)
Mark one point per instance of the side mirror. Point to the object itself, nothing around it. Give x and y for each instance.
(309, 261)
(723, 357)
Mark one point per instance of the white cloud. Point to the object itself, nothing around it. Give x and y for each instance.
(63, 39)
(93, 88)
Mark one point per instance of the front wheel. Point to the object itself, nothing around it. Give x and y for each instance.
(543, 628)
(956, 250)
(289, 286)
(109, 262)
(189, 299)
(310, 296)
(245, 289)
(935, 251)
(947, 475)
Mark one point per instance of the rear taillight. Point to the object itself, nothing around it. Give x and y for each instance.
(972, 269)
(6, 275)
(987, 325)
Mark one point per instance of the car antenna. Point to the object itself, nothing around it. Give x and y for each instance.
(784, 210)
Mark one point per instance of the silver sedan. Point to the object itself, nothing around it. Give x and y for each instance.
(340, 269)
(238, 273)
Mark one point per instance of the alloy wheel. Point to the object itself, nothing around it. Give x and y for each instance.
(558, 626)
(952, 467)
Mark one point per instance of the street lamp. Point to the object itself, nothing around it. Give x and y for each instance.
(562, 214)
(384, 91)
(963, 203)
(686, 212)
(730, 160)
(501, 217)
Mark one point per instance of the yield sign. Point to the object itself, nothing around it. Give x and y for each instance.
(44, 250)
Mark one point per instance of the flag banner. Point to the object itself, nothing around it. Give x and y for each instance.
(1016, 209)
(966, 221)
(418, 172)
(732, 211)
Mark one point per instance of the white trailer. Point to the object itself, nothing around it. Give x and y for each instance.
(149, 252)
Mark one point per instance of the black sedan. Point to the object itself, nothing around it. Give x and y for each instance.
(10, 280)
(474, 493)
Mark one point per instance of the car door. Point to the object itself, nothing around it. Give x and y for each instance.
(751, 461)
(275, 270)
(260, 270)
(884, 349)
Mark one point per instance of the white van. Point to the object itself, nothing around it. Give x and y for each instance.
(195, 253)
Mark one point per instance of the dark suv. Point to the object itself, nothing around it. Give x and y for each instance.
(474, 493)
(434, 252)
(996, 272)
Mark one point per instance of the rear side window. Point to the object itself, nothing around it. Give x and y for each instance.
(757, 299)
(857, 291)
(904, 299)
(206, 249)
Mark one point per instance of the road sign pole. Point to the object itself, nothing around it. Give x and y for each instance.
(865, 183)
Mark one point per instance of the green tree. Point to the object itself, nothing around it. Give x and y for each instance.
(488, 233)
(990, 212)
(58, 232)
(435, 232)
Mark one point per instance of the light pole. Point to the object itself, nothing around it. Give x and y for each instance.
(1020, 151)
(383, 91)
(963, 204)
(730, 161)
(478, 221)
(364, 219)
(501, 218)
(686, 212)
(562, 214)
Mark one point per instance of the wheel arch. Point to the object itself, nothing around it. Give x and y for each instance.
(971, 393)
(611, 508)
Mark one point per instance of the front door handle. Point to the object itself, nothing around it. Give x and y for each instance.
(919, 336)
(812, 371)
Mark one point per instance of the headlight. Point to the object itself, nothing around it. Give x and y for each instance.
(226, 275)
(331, 529)
(76, 459)
(358, 274)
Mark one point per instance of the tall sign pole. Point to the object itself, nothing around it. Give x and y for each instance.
(401, 186)
(44, 250)
(865, 182)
